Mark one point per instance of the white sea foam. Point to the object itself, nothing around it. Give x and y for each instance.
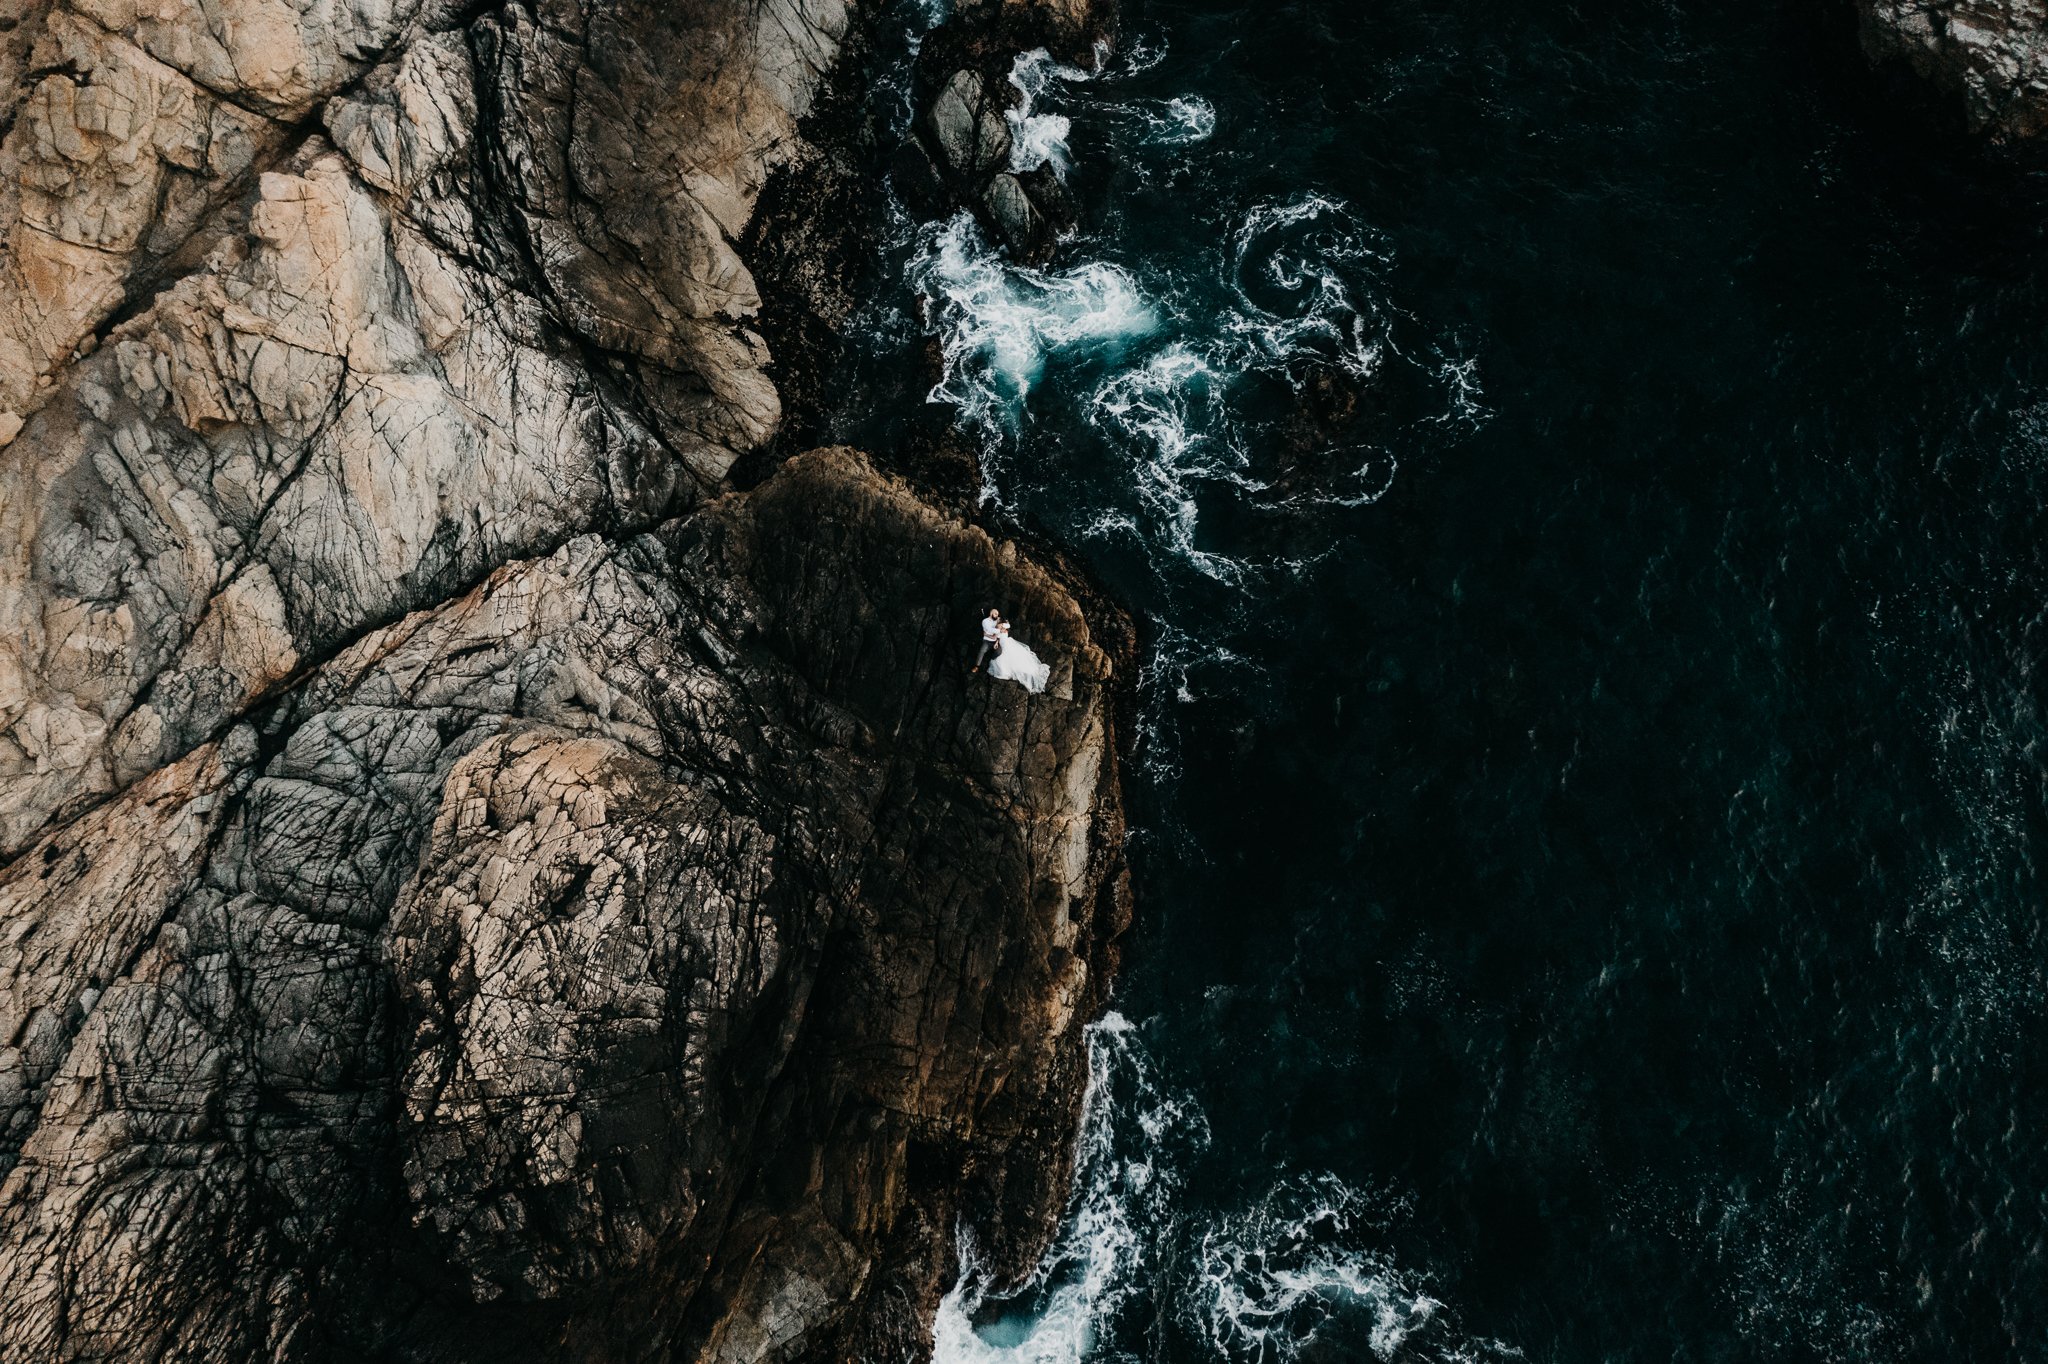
(998, 323)
(1039, 138)
(1041, 124)
(1170, 412)
(1298, 285)
(1140, 54)
(1460, 377)
(1272, 1279)
(1266, 1283)
(1179, 121)
(1300, 271)
(1126, 1179)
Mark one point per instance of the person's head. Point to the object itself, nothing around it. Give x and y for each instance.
(994, 614)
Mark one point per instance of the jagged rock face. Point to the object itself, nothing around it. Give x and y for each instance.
(1994, 53)
(472, 884)
(499, 308)
(640, 952)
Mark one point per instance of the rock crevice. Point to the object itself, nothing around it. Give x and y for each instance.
(476, 885)
(1991, 54)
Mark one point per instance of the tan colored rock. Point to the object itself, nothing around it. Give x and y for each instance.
(113, 161)
(464, 894)
(353, 406)
(274, 55)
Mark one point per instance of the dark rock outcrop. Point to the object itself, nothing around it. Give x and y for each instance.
(959, 154)
(967, 126)
(473, 885)
(1992, 54)
(654, 949)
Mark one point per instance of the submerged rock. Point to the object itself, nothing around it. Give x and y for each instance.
(1992, 53)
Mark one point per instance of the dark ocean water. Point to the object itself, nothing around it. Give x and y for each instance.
(1582, 471)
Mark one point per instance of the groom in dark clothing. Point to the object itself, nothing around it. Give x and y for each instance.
(991, 638)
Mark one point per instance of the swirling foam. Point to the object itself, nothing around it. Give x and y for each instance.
(1266, 1283)
(1296, 286)
(1179, 122)
(999, 323)
(1275, 1278)
(1297, 270)
(1171, 409)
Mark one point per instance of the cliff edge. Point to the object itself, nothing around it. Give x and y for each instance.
(1992, 54)
(476, 884)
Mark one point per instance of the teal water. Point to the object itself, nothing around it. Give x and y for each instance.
(1582, 475)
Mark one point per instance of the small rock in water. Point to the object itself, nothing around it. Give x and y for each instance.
(1049, 193)
(1016, 218)
(973, 135)
(1327, 402)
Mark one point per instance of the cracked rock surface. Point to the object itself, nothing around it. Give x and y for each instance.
(1991, 53)
(473, 883)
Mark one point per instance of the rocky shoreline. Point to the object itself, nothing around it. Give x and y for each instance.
(1990, 56)
(499, 857)
(502, 858)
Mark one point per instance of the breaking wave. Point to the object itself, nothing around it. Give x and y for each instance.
(1301, 1267)
(1039, 138)
(1149, 403)
(1051, 94)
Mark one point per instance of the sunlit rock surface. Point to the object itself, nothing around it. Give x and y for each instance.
(476, 885)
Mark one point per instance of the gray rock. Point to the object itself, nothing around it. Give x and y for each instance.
(967, 124)
(1016, 218)
(1993, 54)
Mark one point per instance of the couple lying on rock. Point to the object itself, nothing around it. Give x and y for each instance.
(1013, 660)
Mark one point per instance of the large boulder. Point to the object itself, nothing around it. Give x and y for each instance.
(968, 127)
(1017, 220)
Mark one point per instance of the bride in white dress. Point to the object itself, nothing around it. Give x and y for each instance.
(1016, 663)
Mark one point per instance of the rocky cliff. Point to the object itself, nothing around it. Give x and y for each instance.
(1993, 54)
(477, 884)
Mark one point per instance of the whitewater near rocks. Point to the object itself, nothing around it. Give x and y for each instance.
(499, 854)
(1214, 385)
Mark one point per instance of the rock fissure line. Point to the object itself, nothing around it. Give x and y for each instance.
(533, 906)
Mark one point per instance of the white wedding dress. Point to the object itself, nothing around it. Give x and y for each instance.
(1016, 663)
